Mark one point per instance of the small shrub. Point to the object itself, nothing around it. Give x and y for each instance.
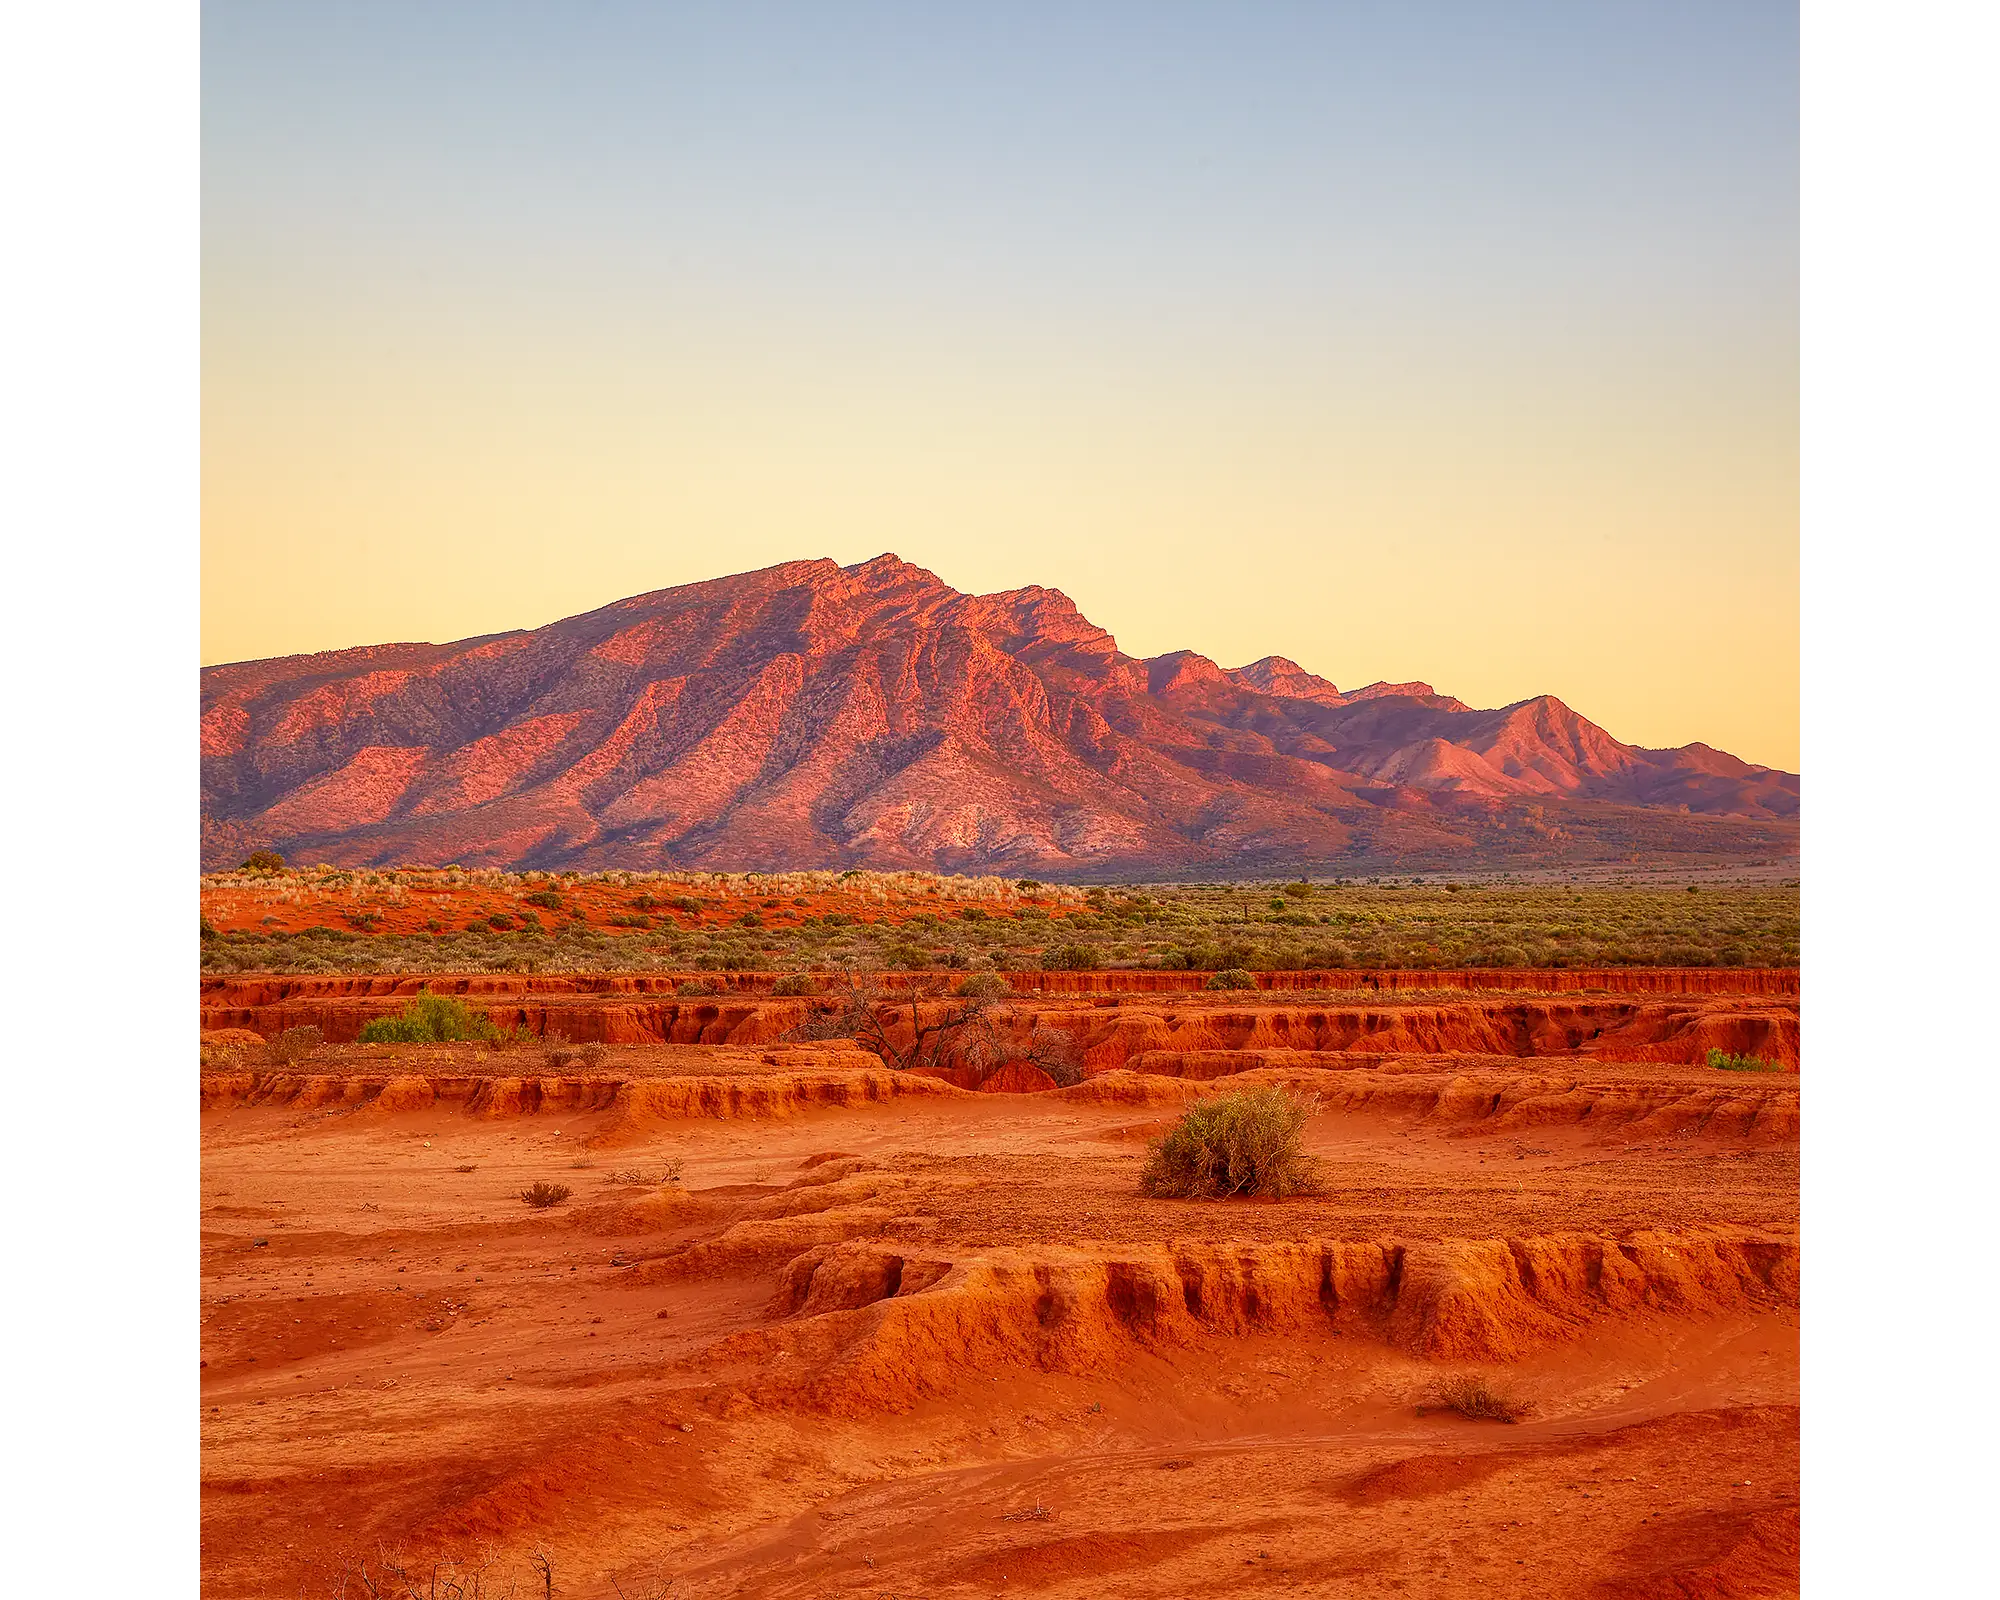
(208, 930)
(645, 902)
(974, 914)
(749, 919)
(1026, 885)
(630, 922)
(1235, 1144)
(547, 899)
(1299, 890)
(687, 903)
(984, 986)
(293, 1044)
(592, 1056)
(542, 1195)
(556, 1053)
(432, 1019)
(1722, 1061)
(793, 984)
(263, 861)
(499, 922)
(1071, 958)
(1474, 1397)
(1231, 978)
(696, 987)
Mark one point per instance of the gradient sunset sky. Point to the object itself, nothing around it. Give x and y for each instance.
(1455, 342)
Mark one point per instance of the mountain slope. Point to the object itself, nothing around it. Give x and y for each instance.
(816, 714)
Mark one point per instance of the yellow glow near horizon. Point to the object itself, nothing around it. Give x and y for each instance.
(358, 491)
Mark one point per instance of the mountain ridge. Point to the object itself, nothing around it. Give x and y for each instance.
(871, 715)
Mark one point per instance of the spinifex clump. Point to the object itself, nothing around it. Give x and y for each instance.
(1235, 1144)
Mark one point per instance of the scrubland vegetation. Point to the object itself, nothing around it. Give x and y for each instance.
(322, 920)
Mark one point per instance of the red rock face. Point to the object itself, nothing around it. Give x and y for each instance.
(816, 715)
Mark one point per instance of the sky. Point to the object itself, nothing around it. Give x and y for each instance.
(1436, 341)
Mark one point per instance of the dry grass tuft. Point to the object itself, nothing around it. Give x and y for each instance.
(542, 1195)
(640, 1178)
(1472, 1396)
(1245, 1143)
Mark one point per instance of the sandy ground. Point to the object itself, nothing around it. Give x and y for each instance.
(938, 1346)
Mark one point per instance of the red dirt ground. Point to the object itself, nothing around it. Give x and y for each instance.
(881, 1335)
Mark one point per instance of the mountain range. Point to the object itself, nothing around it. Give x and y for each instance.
(811, 714)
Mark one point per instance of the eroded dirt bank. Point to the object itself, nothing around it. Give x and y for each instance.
(1150, 1034)
(807, 1326)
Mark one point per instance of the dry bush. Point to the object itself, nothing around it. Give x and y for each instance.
(959, 1033)
(1059, 1053)
(542, 1195)
(1231, 978)
(292, 1045)
(1472, 1396)
(639, 1177)
(984, 986)
(397, 1577)
(695, 988)
(793, 984)
(1248, 1142)
(556, 1053)
(592, 1055)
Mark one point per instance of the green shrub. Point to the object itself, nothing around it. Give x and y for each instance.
(687, 903)
(500, 922)
(208, 930)
(795, 983)
(1299, 890)
(1231, 978)
(1722, 1061)
(431, 1019)
(1235, 1144)
(547, 899)
(973, 914)
(263, 861)
(984, 986)
(1071, 958)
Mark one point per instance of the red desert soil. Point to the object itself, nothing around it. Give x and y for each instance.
(808, 1326)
